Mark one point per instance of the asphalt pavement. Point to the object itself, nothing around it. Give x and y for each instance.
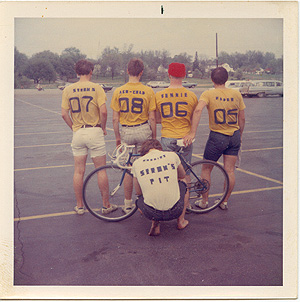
(237, 251)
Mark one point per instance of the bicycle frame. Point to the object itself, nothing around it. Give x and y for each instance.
(128, 163)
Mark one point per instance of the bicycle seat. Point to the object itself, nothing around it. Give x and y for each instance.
(180, 142)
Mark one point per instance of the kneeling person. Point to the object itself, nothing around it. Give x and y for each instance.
(159, 183)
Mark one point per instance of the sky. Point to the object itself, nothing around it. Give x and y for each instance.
(180, 35)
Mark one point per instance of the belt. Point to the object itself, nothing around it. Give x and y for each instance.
(90, 126)
(135, 125)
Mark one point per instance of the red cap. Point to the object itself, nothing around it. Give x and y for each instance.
(177, 70)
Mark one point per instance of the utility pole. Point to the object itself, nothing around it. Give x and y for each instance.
(217, 56)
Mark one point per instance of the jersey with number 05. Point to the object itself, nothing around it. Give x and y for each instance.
(84, 100)
(223, 105)
(176, 107)
(133, 101)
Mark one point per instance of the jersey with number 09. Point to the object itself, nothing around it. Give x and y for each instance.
(223, 105)
(133, 101)
(84, 100)
(176, 107)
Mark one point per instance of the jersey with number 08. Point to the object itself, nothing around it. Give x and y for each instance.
(223, 105)
(176, 107)
(133, 101)
(84, 100)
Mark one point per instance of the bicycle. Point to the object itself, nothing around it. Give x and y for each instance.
(121, 164)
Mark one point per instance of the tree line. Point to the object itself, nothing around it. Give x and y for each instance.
(48, 67)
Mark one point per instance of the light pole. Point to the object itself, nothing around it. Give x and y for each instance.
(217, 56)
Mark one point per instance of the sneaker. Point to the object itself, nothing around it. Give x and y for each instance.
(222, 205)
(112, 208)
(201, 204)
(128, 206)
(79, 211)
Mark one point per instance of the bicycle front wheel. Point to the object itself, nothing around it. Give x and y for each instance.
(212, 186)
(106, 183)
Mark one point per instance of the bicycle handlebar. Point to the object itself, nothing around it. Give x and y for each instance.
(180, 142)
(119, 153)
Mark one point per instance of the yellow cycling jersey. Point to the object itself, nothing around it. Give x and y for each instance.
(223, 105)
(133, 101)
(84, 100)
(176, 107)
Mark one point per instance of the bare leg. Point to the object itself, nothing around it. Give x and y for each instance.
(128, 186)
(205, 174)
(181, 221)
(229, 166)
(79, 169)
(155, 228)
(103, 184)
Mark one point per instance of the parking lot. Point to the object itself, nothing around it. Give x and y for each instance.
(230, 250)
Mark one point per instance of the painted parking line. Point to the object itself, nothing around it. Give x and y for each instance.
(262, 149)
(45, 109)
(52, 132)
(73, 212)
(248, 172)
(52, 145)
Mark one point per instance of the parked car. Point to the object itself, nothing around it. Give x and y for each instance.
(237, 84)
(158, 84)
(262, 88)
(62, 87)
(188, 84)
(106, 87)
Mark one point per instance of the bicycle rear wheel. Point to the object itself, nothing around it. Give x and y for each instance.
(216, 187)
(92, 196)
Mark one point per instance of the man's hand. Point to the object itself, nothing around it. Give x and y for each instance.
(118, 142)
(104, 132)
(188, 139)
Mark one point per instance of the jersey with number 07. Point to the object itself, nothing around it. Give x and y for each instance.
(84, 100)
(223, 105)
(176, 107)
(133, 101)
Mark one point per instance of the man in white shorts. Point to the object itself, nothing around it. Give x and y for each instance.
(84, 111)
(133, 106)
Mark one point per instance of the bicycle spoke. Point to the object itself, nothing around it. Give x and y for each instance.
(111, 190)
(207, 190)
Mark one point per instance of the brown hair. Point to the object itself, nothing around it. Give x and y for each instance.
(150, 144)
(84, 67)
(135, 67)
(219, 75)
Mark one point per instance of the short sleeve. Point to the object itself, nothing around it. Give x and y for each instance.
(242, 104)
(133, 170)
(204, 97)
(101, 96)
(114, 101)
(152, 105)
(65, 100)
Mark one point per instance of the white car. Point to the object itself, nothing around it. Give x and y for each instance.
(262, 88)
(237, 84)
(158, 84)
(188, 84)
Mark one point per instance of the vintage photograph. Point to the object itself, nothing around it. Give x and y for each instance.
(151, 148)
